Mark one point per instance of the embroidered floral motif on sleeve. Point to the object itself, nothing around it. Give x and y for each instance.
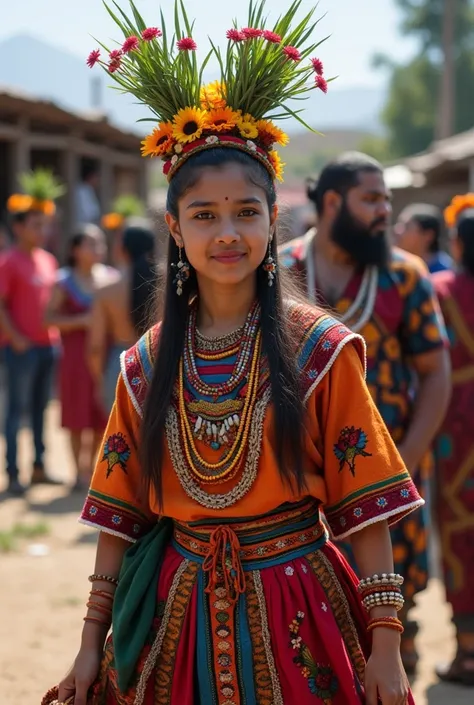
(116, 452)
(351, 443)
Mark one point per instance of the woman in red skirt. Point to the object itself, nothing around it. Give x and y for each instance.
(236, 420)
(70, 311)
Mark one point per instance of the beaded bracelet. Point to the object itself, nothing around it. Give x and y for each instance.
(103, 579)
(387, 622)
(384, 599)
(383, 579)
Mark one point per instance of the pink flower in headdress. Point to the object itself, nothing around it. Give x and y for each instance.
(318, 66)
(186, 44)
(292, 53)
(252, 32)
(322, 84)
(235, 35)
(93, 58)
(271, 37)
(130, 44)
(115, 60)
(151, 33)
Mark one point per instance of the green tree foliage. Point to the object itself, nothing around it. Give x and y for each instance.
(412, 107)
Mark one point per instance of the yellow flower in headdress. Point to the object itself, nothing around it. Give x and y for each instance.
(189, 124)
(270, 134)
(212, 96)
(159, 142)
(222, 120)
(456, 207)
(248, 128)
(277, 164)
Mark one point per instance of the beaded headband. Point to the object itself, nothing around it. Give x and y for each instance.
(41, 189)
(261, 70)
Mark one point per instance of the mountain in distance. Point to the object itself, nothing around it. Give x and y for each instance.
(65, 79)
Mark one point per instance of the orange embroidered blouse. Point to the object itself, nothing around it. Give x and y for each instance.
(351, 463)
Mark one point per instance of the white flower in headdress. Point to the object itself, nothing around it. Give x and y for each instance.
(251, 145)
(212, 139)
(174, 159)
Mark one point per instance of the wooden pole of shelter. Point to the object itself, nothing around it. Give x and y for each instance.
(447, 93)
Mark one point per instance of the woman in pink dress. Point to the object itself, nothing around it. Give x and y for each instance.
(70, 311)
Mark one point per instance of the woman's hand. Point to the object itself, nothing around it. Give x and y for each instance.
(81, 676)
(385, 676)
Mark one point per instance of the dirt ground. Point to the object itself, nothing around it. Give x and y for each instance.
(43, 589)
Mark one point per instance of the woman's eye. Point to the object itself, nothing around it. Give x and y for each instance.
(248, 212)
(203, 216)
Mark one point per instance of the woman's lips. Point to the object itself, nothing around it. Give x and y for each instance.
(230, 257)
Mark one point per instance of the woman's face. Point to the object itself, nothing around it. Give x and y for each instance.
(91, 250)
(224, 225)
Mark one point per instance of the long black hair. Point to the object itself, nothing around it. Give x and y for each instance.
(465, 232)
(276, 337)
(138, 241)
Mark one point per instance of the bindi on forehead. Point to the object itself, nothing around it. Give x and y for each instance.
(227, 198)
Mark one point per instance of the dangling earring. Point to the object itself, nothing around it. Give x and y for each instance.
(182, 272)
(269, 264)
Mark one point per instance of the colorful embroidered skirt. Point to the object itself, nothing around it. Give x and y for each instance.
(257, 612)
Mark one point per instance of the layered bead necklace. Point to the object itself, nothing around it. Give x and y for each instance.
(219, 415)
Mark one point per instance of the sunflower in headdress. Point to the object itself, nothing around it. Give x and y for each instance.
(160, 142)
(277, 164)
(222, 120)
(269, 133)
(189, 124)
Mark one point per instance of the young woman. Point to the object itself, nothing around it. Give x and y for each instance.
(455, 508)
(235, 420)
(121, 309)
(70, 311)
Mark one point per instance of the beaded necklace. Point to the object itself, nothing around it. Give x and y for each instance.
(229, 463)
(246, 347)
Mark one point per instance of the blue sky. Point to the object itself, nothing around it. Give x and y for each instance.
(358, 28)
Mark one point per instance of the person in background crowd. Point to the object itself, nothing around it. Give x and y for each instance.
(69, 310)
(419, 231)
(388, 298)
(455, 448)
(121, 308)
(27, 277)
(88, 209)
(4, 238)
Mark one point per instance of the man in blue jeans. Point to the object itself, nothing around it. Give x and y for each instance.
(27, 276)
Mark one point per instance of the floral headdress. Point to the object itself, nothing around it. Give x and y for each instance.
(456, 207)
(261, 70)
(40, 190)
(124, 207)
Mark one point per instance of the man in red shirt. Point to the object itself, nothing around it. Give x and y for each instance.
(27, 275)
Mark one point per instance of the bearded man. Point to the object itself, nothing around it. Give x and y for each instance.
(386, 295)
